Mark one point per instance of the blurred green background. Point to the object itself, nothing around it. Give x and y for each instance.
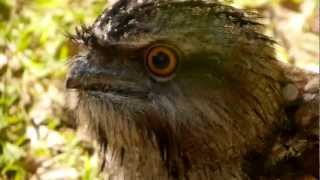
(36, 139)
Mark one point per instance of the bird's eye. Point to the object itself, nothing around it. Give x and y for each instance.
(161, 61)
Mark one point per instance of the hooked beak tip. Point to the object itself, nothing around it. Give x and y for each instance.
(72, 83)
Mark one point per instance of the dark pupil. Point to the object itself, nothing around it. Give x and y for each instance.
(161, 60)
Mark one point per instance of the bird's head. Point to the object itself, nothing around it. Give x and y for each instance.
(171, 73)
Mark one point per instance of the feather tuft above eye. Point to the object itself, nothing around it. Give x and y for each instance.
(83, 35)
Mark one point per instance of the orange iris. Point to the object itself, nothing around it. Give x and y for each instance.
(161, 61)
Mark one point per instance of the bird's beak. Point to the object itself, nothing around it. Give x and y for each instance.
(84, 76)
(73, 82)
(117, 80)
(76, 73)
(73, 79)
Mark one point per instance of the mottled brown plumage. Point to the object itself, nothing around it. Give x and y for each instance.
(220, 109)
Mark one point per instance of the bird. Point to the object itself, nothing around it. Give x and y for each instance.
(191, 90)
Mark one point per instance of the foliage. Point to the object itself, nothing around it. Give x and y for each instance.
(34, 50)
(35, 140)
